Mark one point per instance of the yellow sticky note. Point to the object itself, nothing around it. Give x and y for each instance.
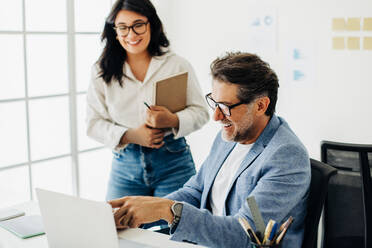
(367, 24)
(338, 24)
(367, 43)
(353, 43)
(338, 43)
(353, 24)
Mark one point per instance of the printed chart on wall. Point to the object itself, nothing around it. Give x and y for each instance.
(262, 30)
(300, 62)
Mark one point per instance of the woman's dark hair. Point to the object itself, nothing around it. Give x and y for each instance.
(114, 55)
(254, 77)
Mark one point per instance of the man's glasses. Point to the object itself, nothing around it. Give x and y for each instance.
(138, 28)
(225, 109)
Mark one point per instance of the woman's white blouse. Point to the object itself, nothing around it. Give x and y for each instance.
(112, 109)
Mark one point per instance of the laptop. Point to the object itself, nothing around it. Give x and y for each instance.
(78, 223)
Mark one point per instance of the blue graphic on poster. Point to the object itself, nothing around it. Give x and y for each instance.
(262, 30)
(300, 62)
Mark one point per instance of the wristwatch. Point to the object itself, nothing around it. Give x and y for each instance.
(177, 211)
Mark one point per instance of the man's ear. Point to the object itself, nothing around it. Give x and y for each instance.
(262, 105)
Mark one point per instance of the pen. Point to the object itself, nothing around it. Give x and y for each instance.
(267, 233)
(151, 127)
(254, 236)
(147, 105)
(278, 233)
(248, 229)
(242, 223)
(272, 233)
(284, 230)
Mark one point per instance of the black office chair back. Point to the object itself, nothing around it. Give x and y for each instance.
(348, 208)
(320, 175)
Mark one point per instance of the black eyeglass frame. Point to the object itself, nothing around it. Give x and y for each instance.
(132, 27)
(218, 104)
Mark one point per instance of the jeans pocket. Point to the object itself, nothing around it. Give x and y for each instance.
(116, 154)
(178, 145)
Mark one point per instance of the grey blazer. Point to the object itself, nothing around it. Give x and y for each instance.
(276, 171)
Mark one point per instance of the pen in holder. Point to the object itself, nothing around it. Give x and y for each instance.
(272, 237)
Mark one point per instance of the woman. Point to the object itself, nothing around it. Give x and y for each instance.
(151, 156)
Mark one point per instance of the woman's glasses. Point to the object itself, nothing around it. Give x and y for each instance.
(138, 28)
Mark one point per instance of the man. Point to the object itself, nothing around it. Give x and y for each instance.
(255, 154)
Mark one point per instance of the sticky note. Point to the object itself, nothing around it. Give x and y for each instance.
(367, 24)
(338, 24)
(367, 43)
(353, 43)
(338, 43)
(353, 24)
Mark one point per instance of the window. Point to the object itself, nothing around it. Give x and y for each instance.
(47, 49)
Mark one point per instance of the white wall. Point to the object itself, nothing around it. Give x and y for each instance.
(335, 100)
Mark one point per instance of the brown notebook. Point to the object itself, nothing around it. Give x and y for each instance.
(171, 92)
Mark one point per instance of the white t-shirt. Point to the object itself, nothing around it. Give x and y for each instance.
(225, 176)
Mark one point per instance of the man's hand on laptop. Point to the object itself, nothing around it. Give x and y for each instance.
(136, 210)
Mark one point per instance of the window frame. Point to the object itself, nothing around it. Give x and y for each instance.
(71, 95)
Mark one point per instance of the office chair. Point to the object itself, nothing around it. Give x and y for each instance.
(320, 175)
(348, 208)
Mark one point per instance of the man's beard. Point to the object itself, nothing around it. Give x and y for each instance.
(241, 135)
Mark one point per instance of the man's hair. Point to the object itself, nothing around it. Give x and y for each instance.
(254, 77)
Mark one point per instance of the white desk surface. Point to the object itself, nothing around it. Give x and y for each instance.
(9, 240)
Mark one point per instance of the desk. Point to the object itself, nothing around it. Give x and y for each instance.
(9, 240)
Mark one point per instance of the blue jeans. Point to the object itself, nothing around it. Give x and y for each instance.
(138, 170)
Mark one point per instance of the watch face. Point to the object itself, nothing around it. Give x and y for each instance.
(177, 208)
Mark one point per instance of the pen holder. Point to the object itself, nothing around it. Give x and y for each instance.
(254, 245)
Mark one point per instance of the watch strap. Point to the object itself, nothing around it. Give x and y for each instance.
(177, 211)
